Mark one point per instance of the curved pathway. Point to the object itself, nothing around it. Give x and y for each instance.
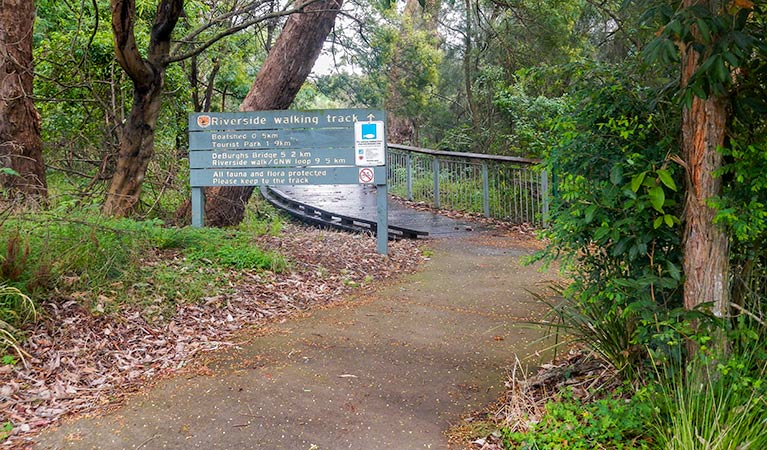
(389, 369)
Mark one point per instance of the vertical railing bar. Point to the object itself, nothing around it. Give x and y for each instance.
(409, 175)
(485, 190)
(519, 204)
(435, 168)
(544, 194)
(526, 197)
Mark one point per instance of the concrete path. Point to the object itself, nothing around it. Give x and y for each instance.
(390, 369)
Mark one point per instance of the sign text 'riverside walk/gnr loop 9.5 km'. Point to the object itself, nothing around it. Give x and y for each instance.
(337, 146)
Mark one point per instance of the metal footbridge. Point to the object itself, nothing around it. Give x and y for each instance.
(512, 189)
(353, 208)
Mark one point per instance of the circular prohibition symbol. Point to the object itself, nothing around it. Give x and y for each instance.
(366, 175)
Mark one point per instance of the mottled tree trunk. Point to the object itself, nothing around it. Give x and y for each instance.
(147, 75)
(706, 247)
(136, 150)
(289, 62)
(20, 141)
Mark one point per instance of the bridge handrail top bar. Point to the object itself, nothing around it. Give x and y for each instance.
(467, 155)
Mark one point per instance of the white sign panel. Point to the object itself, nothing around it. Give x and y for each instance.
(369, 143)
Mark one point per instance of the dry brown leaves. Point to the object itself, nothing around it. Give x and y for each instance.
(80, 362)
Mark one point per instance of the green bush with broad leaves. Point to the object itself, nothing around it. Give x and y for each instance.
(616, 214)
(613, 422)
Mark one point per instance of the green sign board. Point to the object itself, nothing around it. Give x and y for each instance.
(334, 146)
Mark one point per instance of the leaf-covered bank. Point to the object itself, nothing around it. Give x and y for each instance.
(80, 360)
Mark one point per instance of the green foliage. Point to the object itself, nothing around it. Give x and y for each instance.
(81, 96)
(715, 402)
(726, 39)
(613, 422)
(410, 59)
(350, 90)
(744, 208)
(616, 213)
(105, 262)
(530, 118)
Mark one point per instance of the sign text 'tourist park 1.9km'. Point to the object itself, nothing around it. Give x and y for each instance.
(342, 146)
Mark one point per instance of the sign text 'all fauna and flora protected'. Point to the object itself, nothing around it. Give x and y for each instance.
(283, 147)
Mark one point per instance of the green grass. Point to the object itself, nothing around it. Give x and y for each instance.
(15, 310)
(716, 405)
(107, 263)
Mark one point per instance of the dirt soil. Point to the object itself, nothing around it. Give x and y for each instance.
(390, 367)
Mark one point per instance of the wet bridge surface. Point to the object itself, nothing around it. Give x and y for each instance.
(359, 201)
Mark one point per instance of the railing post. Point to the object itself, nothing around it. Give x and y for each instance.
(435, 167)
(409, 175)
(485, 189)
(545, 196)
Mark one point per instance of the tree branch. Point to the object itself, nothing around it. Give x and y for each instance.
(230, 31)
(126, 50)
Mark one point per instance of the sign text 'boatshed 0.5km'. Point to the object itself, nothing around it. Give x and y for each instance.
(342, 146)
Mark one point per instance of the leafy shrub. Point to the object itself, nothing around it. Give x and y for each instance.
(531, 119)
(616, 213)
(613, 422)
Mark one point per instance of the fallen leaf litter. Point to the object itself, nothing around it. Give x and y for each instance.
(79, 362)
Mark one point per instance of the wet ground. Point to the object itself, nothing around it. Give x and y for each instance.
(360, 201)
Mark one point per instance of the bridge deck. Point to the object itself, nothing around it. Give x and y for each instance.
(360, 201)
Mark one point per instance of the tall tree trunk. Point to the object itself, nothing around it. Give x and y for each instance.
(468, 68)
(136, 150)
(286, 67)
(147, 75)
(706, 246)
(21, 147)
(422, 16)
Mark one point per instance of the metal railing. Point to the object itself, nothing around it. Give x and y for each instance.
(501, 187)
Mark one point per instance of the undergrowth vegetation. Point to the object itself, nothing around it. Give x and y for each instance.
(613, 422)
(616, 231)
(106, 263)
(713, 403)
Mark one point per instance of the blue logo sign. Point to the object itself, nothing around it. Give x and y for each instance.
(369, 132)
